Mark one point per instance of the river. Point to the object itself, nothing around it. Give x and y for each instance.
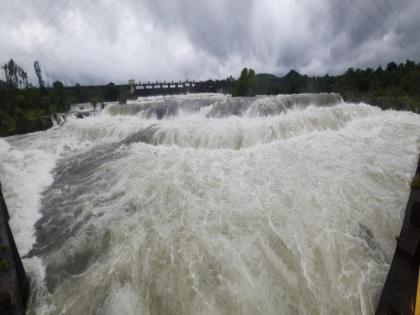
(208, 204)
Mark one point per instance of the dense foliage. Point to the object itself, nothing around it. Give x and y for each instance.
(24, 108)
(246, 85)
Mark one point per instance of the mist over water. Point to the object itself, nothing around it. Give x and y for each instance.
(207, 204)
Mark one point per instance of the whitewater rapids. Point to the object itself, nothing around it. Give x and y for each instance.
(208, 204)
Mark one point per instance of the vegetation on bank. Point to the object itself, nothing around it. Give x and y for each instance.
(25, 108)
(246, 85)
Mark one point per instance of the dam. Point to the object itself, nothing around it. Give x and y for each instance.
(169, 88)
(205, 203)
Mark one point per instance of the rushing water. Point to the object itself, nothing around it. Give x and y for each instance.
(207, 204)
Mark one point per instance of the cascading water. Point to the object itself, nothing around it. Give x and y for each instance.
(207, 204)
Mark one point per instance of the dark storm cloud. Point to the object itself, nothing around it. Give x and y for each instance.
(217, 27)
(96, 41)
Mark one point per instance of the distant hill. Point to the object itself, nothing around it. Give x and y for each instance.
(293, 74)
(292, 82)
(267, 83)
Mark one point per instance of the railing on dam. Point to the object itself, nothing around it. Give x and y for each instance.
(167, 88)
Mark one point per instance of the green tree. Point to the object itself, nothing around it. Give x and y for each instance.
(38, 73)
(111, 92)
(252, 83)
(246, 84)
(391, 66)
(59, 96)
(16, 77)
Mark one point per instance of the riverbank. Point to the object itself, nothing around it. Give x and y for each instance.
(14, 289)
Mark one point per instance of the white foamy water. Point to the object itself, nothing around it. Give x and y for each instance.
(206, 204)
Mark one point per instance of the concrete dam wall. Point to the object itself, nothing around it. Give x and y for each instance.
(14, 289)
(400, 289)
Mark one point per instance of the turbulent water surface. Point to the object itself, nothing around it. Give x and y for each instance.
(207, 204)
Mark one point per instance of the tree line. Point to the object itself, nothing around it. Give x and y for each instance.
(25, 108)
(397, 85)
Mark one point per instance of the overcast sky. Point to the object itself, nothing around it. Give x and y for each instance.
(98, 41)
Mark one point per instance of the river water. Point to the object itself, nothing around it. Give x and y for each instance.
(207, 204)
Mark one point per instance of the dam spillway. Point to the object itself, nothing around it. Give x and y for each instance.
(211, 204)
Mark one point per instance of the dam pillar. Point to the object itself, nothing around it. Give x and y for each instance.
(14, 288)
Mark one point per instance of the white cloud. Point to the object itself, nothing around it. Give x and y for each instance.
(178, 39)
